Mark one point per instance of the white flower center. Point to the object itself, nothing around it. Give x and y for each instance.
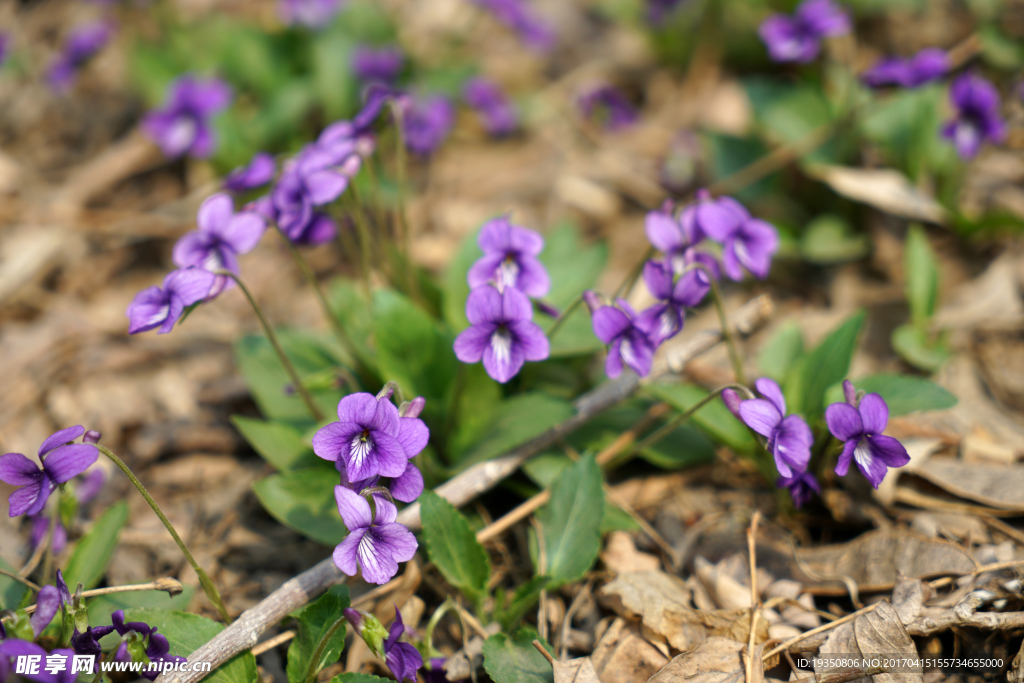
(627, 352)
(667, 323)
(161, 314)
(501, 344)
(182, 134)
(862, 454)
(360, 448)
(507, 273)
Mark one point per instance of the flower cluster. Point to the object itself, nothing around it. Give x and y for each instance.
(403, 659)
(373, 441)
(608, 105)
(502, 333)
(61, 459)
(797, 38)
(497, 115)
(976, 102)
(928, 65)
(520, 17)
(82, 44)
(377, 65)
(682, 277)
(183, 124)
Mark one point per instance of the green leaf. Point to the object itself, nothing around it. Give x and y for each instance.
(100, 608)
(315, 620)
(615, 519)
(11, 591)
(517, 420)
(304, 500)
(514, 659)
(347, 300)
(902, 393)
(575, 337)
(714, 418)
(780, 352)
(827, 364)
(186, 632)
(571, 522)
(477, 405)
(453, 547)
(355, 677)
(829, 239)
(336, 87)
(522, 601)
(93, 551)
(914, 346)
(280, 444)
(922, 275)
(790, 112)
(544, 469)
(572, 265)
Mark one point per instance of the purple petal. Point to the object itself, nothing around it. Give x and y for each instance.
(353, 508)
(844, 421)
(637, 352)
(730, 261)
(332, 441)
(18, 470)
(60, 438)
(717, 220)
(771, 391)
(483, 271)
(664, 232)
(760, 415)
(691, 289)
(793, 441)
(409, 486)
(324, 187)
(503, 358)
(658, 278)
(147, 310)
(471, 342)
(496, 236)
(215, 212)
(874, 414)
(888, 450)
(243, 231)
(385, 419)
(413, 435)
(533, 277)
(662, 321)
(400, 540)
(375, 558)
(174, 310)
(610, 323)
(358, 409)
(484, 305)
(849, 392)
(756, 242)
(525, 241)
(204, 142)
(871, 466)
(69, 461)
(824, 17)
(515, 305)
(191, 285)
(47, 603)
(31, 499)
(529, 338)
(846, 457)
(192, 249)
(347, 552)
(613, 363)
(385, 513)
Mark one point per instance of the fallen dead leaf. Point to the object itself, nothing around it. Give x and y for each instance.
(726, 591)
(883, 188)
(623, 654)
(620, 555)
(998, 486)
(716, 660)
(579, 670)
(879, 632)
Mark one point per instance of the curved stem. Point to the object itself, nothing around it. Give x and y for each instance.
(435, 619)
(272, 338)
(565, 314)
(723, 322)
(20, 579)
(634, 274)
(314, 667)
(50, 533)
(204, 579)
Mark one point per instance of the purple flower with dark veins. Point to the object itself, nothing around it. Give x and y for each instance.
(61, 461)
(802, 487)
(222, 237)
(609, 106)
(665, 319)
(798, 38)
(13, 649)
(157, 647)
(677, 238)
(377, 64)
(183, 124)
(977, 119)
(162, 306)
(369, 436)
(502, 333)
(518, 16)
(309, 13)
(374, 542)
(84, 42)
(510, 259)
(747, 242)
(496, 112)
(789, 438)
(860, 427)
(926, 66)
(403, 659)
(627, 336)
(258, 172)
(426, 123)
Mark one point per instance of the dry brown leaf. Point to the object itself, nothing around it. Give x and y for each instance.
(873, 560)
(620, 555)
(579, 670)
(716, 660)
(884, 189)
(1016, 672)
(726, 591)
(991, 301)
(877, 633)
(998, 486)
(623, 654)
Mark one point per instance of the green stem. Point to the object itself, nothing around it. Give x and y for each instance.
(48, 554)
(272, 338)
(723, 322)
(378, 202)
(435, 619)
(314, 663)
(402, 161)
(204, 579)
(565, 314)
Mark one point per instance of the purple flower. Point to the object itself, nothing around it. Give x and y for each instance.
(789, 438)
(977, 104)
(382, 64)
(41, 526)
(861, 427)
(665, 319)
(157, 647)
(659, 10)
(798, 38)
(309, 13)
(88, 643)
(82, 45)
(403, 659)
(12, 649)
(747, 242)
(628, 339)
(502, 334)
(258, 172)
(47, 604)
(317, 176)
(61, 460)
(162, 306)
(802, 487)
(676, 239)
(222, 236)
(183, 124)
(609, 105)
(374, 540)
(426, 123)
(92, 482)
(510, 259)
(495, 110)
(927, 65)
(518, 16)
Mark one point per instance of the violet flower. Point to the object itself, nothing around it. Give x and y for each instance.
(317, 176)
(676, 239)
(628, 339)
(926, 66)
(84, 42)
(520, 17)
(608, 105)
(374, 542)
(222, 236)
(502, 333)
(41, 526)
(789, 438)
(162, 306)
(496, 112)
(258, 172)
(802, 487)
(47, 604)
(12, 649)
(426, 122)
(377, 64)
(182, 125)
(312, 14)
(61, 460)
(798, 38)
(402, 659)
(157, 647)
(747, 242)
(510, 259)
(659, 10)
(977, 119)
(665, 320)
(860, 427)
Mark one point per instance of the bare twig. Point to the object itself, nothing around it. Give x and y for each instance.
(273, 642)
(20, 579)
(547, 655)
(814, 631)
(172, 586)
(755, 607)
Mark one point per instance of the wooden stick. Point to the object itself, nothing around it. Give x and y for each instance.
(814, 631)
(172, 586)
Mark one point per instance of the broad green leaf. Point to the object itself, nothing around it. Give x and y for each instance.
(93, 551)
(790, 112)
(186, 632)
(728, 155)
(11, 591)
(336, 87)
(517, 420)
(314, 621)
(827, 364)
(522, 601)
(347, 300)
(304, 501)
(453, 547)
(575, 337)
(714, 418)
(478, 402)
(280, 444)
(922, 273)
(572, 265)
(829, 239)
(571, 522)
(904, 125)
(914, 346)
(780, 352)
(615, 519)
(356, 677)
(902, 393)
(544, 469)
(100, 608)
(514, 659)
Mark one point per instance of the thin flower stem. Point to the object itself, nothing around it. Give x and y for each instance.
(435, 619)
(20, 579)
(402, 163)
(730, 343)
(634, 274)
(50, 535)
(565, 314)
(204, 579)
(314, 662)
(378, 202)
(365, 247)
(272, 338)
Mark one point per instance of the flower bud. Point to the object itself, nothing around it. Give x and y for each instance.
(547, 309)
(593, 300)
(92, 436)
(849, 393)
(369, 628)
(388, 390)
(732, 401)
(412, 408)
